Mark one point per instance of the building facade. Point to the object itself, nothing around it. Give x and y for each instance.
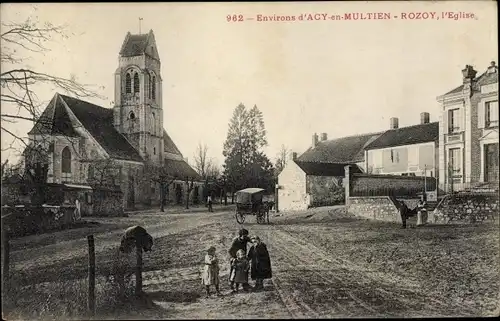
(468, 131)
(87, 145)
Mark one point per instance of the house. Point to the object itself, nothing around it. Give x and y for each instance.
(468, 131)
(407, 151)
(88, 145)
(315, 178)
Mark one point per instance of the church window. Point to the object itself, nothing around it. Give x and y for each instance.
(131, 115)
(136, 83)
(66, 160)
(90, 173)
(149, 86)
(153, 88)
(128, 84)
(153, 123)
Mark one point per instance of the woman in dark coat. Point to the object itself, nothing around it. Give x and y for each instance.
(260, 268)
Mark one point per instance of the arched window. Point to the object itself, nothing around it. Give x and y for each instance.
(128, 84)
(136, 83)
(149, 86)
(153, 88)
(66, 160)
(153, 123)
(131, 115)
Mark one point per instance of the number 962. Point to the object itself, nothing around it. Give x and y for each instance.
(234, 18)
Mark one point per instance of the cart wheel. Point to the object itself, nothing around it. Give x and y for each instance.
(240, 217)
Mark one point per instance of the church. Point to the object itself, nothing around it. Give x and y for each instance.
(89, 147)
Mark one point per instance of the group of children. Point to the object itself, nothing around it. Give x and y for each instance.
(257, 263)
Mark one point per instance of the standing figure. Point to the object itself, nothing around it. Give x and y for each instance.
(261, 263)
(210, 274)
(209, 203)
(403, 210)
(240, 268)
(239, 243)
(422, 211)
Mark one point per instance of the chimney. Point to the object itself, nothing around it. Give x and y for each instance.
(293, 156)
(468, 74)
(424, 118)
(394, 123)
(314, 140)
(324, 136)
(492, 68)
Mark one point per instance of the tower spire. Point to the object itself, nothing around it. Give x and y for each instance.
(140, 19)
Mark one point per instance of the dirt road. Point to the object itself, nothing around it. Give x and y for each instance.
(310, 280)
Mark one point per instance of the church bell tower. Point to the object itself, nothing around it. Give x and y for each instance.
(138, 110)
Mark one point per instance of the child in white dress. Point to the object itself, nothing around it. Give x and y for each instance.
(210, 275)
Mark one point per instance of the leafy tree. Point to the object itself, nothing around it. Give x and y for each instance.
(245, 164)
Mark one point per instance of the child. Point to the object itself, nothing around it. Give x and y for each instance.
(211, 271)
(240, 267)
(261, 263)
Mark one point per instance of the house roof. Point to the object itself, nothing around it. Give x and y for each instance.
(416, 134)
(179, 169)
(345, 150)
(324, 169)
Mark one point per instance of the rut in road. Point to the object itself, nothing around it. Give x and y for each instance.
(339, 287)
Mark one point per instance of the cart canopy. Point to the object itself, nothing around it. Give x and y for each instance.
(249, 195)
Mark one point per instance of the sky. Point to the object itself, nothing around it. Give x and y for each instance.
(335, 76)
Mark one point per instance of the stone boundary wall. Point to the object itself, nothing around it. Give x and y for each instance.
(380, 208)
(466, 207)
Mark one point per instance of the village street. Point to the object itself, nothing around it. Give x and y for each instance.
(323, 265)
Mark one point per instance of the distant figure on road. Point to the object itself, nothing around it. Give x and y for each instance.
(240, 267)
(260, 263)
(209, 203)
(210, 274)
(239, 243)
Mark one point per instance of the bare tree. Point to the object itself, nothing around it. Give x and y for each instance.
(281, 160)
(162, 176)
(19, 43)
(189, 187)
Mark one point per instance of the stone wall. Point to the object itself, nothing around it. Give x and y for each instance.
(466, 208)
(292, 193)
(27, 220)
(380, 208)
(325, 190)
(384, 185)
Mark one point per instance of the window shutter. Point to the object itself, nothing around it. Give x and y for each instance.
(481, 113)
(461, 118)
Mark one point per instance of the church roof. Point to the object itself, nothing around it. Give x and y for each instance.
(137, 45)
(179, 169)
(97, 120)
(169, 145)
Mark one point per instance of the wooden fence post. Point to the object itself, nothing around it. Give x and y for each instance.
(138, 271)
(6, 260)
(91, 296)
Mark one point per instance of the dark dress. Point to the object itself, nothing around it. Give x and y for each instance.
(260, 267)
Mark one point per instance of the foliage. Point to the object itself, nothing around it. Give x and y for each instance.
(245, 164)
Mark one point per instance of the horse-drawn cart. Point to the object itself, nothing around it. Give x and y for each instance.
(249, 202)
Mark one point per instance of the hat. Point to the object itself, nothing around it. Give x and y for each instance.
(211, 249)
(243, 232)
